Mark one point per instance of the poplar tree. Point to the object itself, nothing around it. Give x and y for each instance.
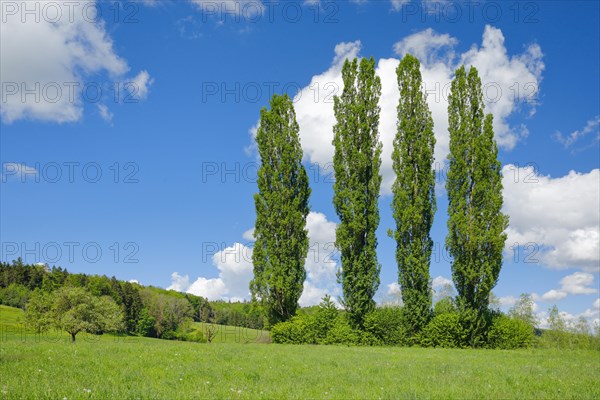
(476, 223)
(356, 161)
(282, 206)
(414, 203)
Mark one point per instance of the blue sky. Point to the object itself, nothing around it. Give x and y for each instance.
(153, 163)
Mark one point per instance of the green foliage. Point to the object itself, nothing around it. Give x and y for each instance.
(357, 161)
(560, 335)
(145, 324)
(313, 328)
(38, 311)
(510, 333)
(327, 325)
(444, 330)
(31, 368)
(444, 305)
(414, 203)
(15, 295)
(19, 281)
(524, 310)
(195, 336)
(186, 331)
(476, 323)
(248, 315)
(76, 310)
(281, 210)
(99, 286)
(167, 311)
(297, 330)
(325, 318)
(342, 333)
(476, 223)
(131, 302)
(30, 276)
(387, 326)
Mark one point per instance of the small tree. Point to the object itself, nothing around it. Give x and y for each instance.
(75, 310)
(582, 327)
(325, 317)
(523, 310)
(557, 328)
(210, 331)
(37, 311)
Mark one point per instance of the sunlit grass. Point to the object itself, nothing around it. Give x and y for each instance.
(117, 367)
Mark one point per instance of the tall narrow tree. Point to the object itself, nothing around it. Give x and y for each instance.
(414, 203)
(281, 209)
(357, 161)
(476, 223)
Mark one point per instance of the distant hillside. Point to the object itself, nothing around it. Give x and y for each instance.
(148, 311)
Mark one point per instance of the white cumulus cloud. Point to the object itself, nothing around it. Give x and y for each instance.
(45, 64)
(558, 217)
(579, 283)
(235, 273)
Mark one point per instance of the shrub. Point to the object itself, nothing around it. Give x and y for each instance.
(194, 336)
(475, 325)
(324, 318)
(15, 295)
(385, 326)
(186, 332)
(307, 328)
(445, 305)
(342, 333)
(298, 330)
(169, 335)
(510, 333)
(444, 330)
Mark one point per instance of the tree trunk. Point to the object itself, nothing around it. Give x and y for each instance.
(73, 337)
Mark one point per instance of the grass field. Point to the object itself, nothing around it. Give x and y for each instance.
(113, 367)
(235, 334)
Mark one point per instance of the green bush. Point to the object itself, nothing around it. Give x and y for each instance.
(194, 336)
(300, 329)
(307, 328)
(510, 333)
(342, 333)
(169, 335)
(385, 326)
(444, 330)
(445, 305)
(324, 319)
(15, 295)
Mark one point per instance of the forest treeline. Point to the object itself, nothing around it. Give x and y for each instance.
(144, 310)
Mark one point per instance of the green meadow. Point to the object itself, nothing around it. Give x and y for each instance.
(35, 367)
